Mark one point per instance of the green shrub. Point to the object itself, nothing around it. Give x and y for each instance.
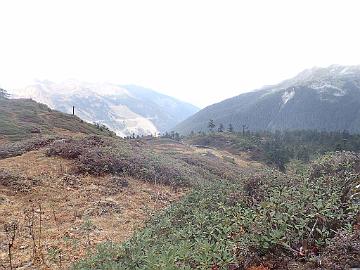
(225, 225)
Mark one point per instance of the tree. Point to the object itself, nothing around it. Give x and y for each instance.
(276, 154)
(177, 137)
(3, 93)
(303, 154)
(231, 128)
(211, 125)
(221, 128)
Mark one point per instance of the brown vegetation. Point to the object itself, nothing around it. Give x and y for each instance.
(65, 214)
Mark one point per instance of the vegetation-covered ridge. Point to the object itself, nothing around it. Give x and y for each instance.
(308, 219)
(24, 118)
(104, 155)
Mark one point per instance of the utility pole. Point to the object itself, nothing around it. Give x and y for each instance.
(73, 110)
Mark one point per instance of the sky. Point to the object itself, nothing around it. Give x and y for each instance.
(200, 51)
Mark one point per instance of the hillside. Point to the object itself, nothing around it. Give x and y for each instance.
(94, 189)
(259, 219)
(96, 202)
(320, 98)
(24, 118)
(84, 200)
(124, 109)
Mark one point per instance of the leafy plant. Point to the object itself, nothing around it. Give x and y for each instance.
(228, 224)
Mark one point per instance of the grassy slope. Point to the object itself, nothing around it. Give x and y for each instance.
(233, 216)
(81, 179)
(19, 118)
(268, 218)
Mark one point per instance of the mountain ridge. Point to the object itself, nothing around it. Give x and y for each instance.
(126, 110)
(26, 119)
(318, 98)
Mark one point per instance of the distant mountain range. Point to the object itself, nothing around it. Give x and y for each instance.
(124, 109)
(318, 98)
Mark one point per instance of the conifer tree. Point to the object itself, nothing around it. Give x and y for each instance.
(211, 125)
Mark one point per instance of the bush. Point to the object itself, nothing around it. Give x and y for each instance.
(98, 156)
(15, 182)
(20, 148)
(232, 225)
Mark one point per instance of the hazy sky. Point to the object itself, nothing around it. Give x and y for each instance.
(198, 51)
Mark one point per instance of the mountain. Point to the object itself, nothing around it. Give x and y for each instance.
(25, 118)
(124, 109)
(318, 98)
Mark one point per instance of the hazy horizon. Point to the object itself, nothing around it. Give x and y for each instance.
(201, 52)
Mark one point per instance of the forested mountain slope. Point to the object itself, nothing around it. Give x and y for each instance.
(319, 98)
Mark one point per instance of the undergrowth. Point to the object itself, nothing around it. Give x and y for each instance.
(18, 148)
(264, 219)
(101, 155)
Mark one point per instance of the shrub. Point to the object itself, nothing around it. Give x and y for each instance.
(230, 225)
(19, 148)
(16, 182)
(100, 156)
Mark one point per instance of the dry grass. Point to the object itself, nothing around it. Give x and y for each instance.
(67, 202)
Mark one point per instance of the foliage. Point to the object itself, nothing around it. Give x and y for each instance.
(18, 148)
(3, 93)
(100, 155)
(211, 125)
(172, 135)
(221, 128)
(275, 153)
(16, 182)
(279, 148)
(229, 225)
(104, 128)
